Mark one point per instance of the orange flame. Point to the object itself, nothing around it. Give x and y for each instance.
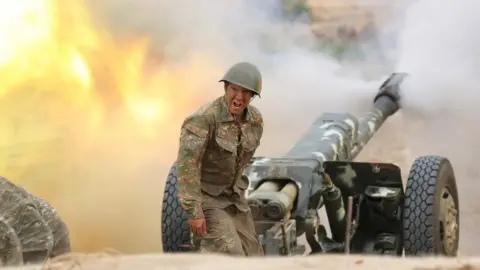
(83, 124)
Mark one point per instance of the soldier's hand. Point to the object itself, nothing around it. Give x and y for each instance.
(198, 226)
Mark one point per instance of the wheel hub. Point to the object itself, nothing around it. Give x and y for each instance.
(448, 221)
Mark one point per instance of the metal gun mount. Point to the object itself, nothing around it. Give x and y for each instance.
(367, 207)
(285, 193)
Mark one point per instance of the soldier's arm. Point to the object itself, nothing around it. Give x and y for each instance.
(193, 142)
(260, 130)
(258, 119)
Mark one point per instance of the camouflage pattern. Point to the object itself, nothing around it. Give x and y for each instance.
(214, 150)
(61, 234)
(230, 231)
(216, 147)
(21, 213)
(30, 220)
(245, 75)
(10, 247)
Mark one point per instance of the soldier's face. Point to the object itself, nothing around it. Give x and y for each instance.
(237, 98)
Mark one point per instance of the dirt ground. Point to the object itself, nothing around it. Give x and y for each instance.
(202, 262)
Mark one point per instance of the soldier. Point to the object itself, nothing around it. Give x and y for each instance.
(30, 229)
(216, 144)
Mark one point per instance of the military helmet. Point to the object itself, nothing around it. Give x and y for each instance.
(245, 75)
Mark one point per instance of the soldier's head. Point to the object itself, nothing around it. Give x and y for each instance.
(242, 82)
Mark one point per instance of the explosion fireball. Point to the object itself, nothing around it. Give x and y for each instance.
(88, 122)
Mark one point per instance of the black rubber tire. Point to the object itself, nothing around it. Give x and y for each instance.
(175, 229)
(421, 224)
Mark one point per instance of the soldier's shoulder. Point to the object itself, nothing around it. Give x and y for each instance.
(201, 120)
(206, 112)
(255, 114)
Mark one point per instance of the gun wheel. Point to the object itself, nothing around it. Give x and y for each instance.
(175, 229)
(431, 217)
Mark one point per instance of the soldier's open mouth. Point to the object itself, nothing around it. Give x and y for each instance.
(237, 104)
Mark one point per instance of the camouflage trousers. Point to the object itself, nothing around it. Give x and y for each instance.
(230, 231)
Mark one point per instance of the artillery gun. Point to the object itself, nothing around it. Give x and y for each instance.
(369, 210)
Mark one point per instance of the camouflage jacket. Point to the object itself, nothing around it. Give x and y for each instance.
(214, 150)
(29, 225)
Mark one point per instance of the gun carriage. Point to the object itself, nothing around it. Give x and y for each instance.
(369, 209)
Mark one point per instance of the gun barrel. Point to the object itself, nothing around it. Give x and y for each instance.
(342, 136)
(332, 137)
(385, 104)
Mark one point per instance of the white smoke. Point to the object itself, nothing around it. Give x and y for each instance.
(438, 47)
(435, 41)
(300, 82)
(440, 52)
